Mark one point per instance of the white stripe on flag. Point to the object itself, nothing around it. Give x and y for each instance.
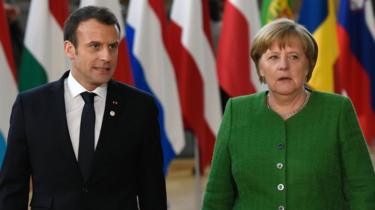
(370, 18)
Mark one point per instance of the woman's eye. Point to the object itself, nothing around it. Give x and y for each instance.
(273, 57)
(293, 57)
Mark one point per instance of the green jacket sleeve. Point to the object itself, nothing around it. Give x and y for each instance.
(358, 173)
(220, 190)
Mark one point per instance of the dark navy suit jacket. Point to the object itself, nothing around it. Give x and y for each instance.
(127, 169)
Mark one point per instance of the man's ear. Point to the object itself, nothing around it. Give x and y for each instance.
(70, 50)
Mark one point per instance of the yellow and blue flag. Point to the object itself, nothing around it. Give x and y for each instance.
(319, 17)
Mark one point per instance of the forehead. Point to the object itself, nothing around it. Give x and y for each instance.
(96, 31)
(292, 41)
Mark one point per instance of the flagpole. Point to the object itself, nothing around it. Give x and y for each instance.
(198, 191)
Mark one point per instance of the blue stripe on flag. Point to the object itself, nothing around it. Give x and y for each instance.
(362, 44)
(313, 13)
(2, 148)
(141, 83)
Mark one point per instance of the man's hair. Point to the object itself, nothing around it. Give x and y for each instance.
(101, 14)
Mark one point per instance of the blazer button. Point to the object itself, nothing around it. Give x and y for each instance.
(280, 187)
(281, 208)
(280, 146)
(279, 166)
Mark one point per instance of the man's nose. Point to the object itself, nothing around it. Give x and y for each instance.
(105, 54)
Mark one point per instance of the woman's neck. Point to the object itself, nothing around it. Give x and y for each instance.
(287, 105)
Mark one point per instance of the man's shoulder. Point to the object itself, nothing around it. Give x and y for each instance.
(127, 90)
(41, 90)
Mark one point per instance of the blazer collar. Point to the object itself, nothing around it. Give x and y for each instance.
(114, 108)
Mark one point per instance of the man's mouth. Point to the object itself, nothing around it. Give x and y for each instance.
(102, 68)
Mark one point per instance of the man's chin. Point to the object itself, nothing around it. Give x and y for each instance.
(101, 81)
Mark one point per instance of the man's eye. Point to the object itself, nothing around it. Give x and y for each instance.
(113, 46)
(94, 46)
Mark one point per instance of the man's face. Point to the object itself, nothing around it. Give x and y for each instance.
(94, 59)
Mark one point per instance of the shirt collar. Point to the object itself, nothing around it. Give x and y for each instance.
(76, 89)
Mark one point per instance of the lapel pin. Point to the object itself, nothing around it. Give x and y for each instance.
(112, 113)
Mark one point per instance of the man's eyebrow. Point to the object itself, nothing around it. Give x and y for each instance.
(92, 42)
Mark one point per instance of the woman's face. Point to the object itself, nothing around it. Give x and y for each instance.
(284, 67)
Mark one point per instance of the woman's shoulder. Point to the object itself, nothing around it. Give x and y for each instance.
(252, 98)
(246, 103)
(329, 97)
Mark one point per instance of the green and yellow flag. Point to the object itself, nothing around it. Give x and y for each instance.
(273, 9)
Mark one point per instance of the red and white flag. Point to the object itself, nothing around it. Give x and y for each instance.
(190, 48)
(237, 73)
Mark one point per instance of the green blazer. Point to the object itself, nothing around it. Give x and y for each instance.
(317, 159)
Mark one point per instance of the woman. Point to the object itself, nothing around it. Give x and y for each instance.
(289, 147)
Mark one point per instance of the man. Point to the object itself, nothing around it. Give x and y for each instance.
(118, 165)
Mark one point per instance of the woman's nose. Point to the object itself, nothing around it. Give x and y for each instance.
(283, 63)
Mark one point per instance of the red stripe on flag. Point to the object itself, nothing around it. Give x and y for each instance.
(123, 71)
(191, 91)
(352, 78)
(59, 9)
(5, 41)
(233, 55)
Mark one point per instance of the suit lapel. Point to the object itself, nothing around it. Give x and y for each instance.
(111, 113)
(61, 125)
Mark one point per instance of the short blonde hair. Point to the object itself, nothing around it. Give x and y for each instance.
(281, 30)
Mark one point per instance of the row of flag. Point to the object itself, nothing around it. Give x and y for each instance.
(174, 59)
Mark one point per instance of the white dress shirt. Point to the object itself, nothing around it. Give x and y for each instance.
(74, 105)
